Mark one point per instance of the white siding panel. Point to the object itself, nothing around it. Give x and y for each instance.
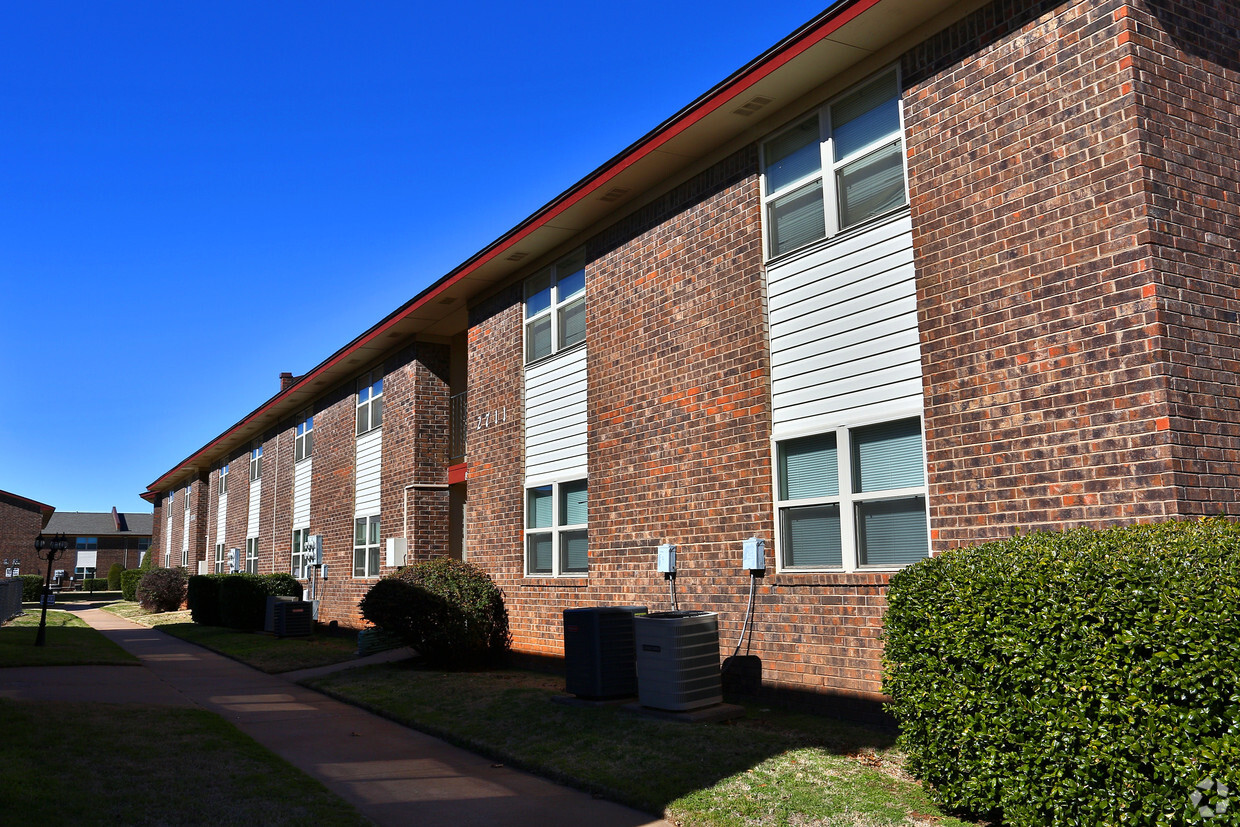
(369, 473)
(221, 519)
(185, 534)
(301, 493)
(555, 416)
(844, 343)
(256, 496)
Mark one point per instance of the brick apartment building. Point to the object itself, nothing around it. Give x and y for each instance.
(21, 522)
(924, 274)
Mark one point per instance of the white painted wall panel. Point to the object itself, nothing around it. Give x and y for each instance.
(301, 493)
(185, 535)
(256, 496)
(843, 321)
(368, 470)
(555, 416)
(221, 519)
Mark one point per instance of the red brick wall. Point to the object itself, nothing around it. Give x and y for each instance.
(1040, 328)
(20, 523)
(1186, 79)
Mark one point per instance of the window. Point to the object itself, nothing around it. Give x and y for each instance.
(223, 480)
(304, 441)
(83, 571)
(366, 547)
(301, 557)
(187, 485)
(556, 535)
(144, 543)
(868, 511)
(369, 402)
(256, 462)
(184, 557)
(555, 307)
(221, 559)
(87, 544)
(836, 168)
(251, 555)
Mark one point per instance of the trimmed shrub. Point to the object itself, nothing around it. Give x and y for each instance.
(95, 584)
(449, 611)
(148, 559)
(129, 583)
(1083, 677)
(32, 588)
(243, 597)
(202, 595)
(162, 590)
(114, 577)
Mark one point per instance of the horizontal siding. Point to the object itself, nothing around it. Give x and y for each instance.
(555, 416)
(301, 493)
(221, 519)
(256, 495)
(843, 320)
(369, 472)
(185, 534)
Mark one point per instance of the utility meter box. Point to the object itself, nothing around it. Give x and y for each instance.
(667, 558)
(397, 550)
(313, 546)
(754, 554)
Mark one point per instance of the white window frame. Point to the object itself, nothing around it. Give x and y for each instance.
(299, 563)
(370, 402)
(559, 302)
(847, 499)
(369, 552)
(223, 486)
(187, 485)
(303, 442)
(251, 555)
(829, 168)
(556, 530)
(86, 543)
(256, 462)
(221, 559)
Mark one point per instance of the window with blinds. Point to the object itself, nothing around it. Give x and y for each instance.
(556, 533)
(868, 511)
(836, 168)
(555, 307)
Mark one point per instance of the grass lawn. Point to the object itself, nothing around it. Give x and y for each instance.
(154, 765)
(68, 641)
(270, 654)
(769, 768)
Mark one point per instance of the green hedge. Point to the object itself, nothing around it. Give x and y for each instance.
(114, 577)
(449, 611)
(32, 587)
(130, 578)
(243, 597)
(203, 598)
(95, 584)
(1083, 677)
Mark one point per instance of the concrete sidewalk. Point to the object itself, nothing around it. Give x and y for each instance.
(391, 774)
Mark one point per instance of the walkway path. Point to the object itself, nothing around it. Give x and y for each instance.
(391, 774)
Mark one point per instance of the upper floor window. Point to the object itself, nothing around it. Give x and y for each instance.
(835, 168)
(369, 402)
(256, 462)
(555, 307)
(304, 441)
(187, 496)
(556, 534)
(144, 543)
(223, 480)
(853, 498)
(87, 543)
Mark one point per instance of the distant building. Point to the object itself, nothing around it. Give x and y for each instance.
(21, 521)
(922, 275)
(97, 539)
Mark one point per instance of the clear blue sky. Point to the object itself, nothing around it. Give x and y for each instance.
(196, 196)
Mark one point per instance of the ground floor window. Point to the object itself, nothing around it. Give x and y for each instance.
(251, 555)
(300, 566)
(556, 533)
(853, 498)
(83, 572)
(221, 559)
(366, 546)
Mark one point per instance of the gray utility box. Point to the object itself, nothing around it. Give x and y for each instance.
(678, 660)
(293, 619)
(599, 653)
(269, 621)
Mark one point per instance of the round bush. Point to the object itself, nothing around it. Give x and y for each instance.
(114, 577)
(1082, 677)
(162, 590)
(130, 579)
(449, 611)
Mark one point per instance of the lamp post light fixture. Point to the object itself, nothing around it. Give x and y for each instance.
(48, 548)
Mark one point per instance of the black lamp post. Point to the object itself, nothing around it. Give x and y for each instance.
(48, 548)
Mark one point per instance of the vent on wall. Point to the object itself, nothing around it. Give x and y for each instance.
(753, 105)
(517, 256)
(614, 194)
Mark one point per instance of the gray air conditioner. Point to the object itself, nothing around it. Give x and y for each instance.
(678, 660)
(599, 653)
